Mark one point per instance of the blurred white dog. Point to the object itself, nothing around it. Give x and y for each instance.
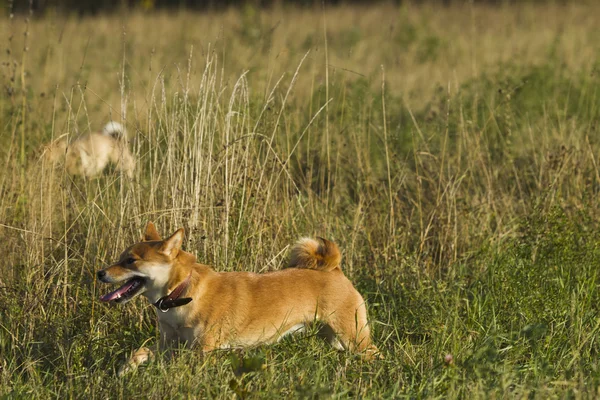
(89, 154)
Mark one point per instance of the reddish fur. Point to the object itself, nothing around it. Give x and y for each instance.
(233, 309)
(322, 255)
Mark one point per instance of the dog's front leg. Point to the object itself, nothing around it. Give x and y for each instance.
(144, 355)
(169, 341)
(139, 357)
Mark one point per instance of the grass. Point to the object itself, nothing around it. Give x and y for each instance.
(450, 152)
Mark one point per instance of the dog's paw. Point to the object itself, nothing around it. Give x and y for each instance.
(372, 353)
(140, 356)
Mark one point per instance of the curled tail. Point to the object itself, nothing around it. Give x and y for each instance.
(115, 130)
(320, 254)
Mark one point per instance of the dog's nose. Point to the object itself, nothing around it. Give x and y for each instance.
(101, 274)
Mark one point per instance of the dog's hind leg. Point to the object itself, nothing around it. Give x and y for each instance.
(348, 328)
(123, 159)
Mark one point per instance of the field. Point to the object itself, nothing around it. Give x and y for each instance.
(451, 152)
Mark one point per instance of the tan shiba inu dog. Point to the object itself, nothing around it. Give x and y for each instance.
(91, 153)
(218, 310)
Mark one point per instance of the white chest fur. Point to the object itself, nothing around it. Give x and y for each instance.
(174, 330)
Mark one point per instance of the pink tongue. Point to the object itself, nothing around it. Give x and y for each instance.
(117, 293)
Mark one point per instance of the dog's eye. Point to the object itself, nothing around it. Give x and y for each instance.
(130, 260)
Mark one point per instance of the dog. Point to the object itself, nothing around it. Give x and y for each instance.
(90, 154)
(197, 305)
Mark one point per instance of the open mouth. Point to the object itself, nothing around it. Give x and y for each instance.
(126, 292)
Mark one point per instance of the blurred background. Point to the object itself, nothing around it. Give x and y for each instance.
(86, 7)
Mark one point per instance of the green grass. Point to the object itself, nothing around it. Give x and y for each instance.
(452, 153)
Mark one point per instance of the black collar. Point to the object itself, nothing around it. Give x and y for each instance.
(173, 299)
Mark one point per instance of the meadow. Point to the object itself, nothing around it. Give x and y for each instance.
(451, 152)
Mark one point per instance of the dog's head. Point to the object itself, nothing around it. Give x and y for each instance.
(144, 267)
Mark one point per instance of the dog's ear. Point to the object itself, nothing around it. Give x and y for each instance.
(151, 234)
(171, 246)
